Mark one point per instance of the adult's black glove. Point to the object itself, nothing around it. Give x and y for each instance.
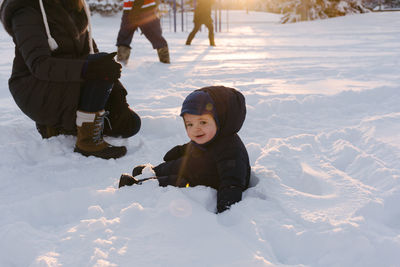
(103, 68)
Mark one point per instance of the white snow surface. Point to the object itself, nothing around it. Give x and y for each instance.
(322, 131)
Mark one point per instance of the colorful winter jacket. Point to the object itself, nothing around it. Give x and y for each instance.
(140, 11)
(129, 4)
(223, 163)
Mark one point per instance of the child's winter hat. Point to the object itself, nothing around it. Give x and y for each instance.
(230, 108)
(198, 103)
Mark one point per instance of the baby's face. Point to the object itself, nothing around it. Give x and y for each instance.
(200, 128)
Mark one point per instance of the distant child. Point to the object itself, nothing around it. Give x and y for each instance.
(202, 15)
(141, 14)
(215, 156)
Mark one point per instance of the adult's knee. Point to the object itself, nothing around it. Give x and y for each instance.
(123, 120)
(131, 126)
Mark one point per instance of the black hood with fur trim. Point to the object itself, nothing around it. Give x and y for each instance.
(230, 105)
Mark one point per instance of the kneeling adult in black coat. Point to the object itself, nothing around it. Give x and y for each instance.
(59, 79)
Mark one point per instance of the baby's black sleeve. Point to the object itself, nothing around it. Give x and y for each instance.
(175, 153)
(232, 170)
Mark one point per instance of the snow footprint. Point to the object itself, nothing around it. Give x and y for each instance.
(314, 181)
(297, 167)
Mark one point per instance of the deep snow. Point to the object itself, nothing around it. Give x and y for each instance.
(322, 131)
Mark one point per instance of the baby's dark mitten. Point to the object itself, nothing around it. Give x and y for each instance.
(228, 196)
(138, 170)
(127, 179)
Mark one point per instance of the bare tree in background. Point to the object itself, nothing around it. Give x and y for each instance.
(303, 10)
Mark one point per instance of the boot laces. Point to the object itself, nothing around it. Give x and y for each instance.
(99, 127)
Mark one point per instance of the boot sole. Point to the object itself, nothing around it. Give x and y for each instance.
(107, 153)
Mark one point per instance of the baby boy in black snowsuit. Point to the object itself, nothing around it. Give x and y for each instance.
(215, 156)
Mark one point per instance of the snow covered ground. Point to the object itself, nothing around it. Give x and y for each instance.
(322, 131)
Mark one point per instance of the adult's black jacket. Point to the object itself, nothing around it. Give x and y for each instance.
(46, 84)
(223, 163)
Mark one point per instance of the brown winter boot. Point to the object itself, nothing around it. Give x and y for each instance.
(190, 37)
(123, 54)
(90, 137)
(163, 54)
(211, 38)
